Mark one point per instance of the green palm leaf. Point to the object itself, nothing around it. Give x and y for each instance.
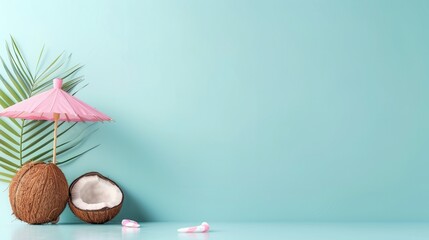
(25, 140)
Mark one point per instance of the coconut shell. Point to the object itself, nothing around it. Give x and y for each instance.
(38, 193)
(95, 216)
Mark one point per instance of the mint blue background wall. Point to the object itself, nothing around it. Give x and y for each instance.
(248, 110)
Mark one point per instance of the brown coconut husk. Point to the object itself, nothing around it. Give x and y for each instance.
(99, 216)
(38, 193)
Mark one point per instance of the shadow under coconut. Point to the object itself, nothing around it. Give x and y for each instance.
(29, 232)
(67, 231)
(132, 208)
(86, 232)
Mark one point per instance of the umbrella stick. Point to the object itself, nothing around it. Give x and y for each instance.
(54, 157)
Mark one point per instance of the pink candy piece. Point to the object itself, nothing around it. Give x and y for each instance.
(130, 223)
(204, 227)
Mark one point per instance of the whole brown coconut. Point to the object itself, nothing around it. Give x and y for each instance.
(38, 193)
(95, 198)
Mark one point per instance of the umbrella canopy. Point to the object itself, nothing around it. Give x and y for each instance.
(54, 105)
(46, 105)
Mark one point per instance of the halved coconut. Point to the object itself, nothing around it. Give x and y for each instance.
(38, 193)
(95, 198)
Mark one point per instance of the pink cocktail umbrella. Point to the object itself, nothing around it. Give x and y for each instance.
(54, 105)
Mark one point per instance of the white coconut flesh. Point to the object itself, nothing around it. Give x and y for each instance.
(94, 193)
